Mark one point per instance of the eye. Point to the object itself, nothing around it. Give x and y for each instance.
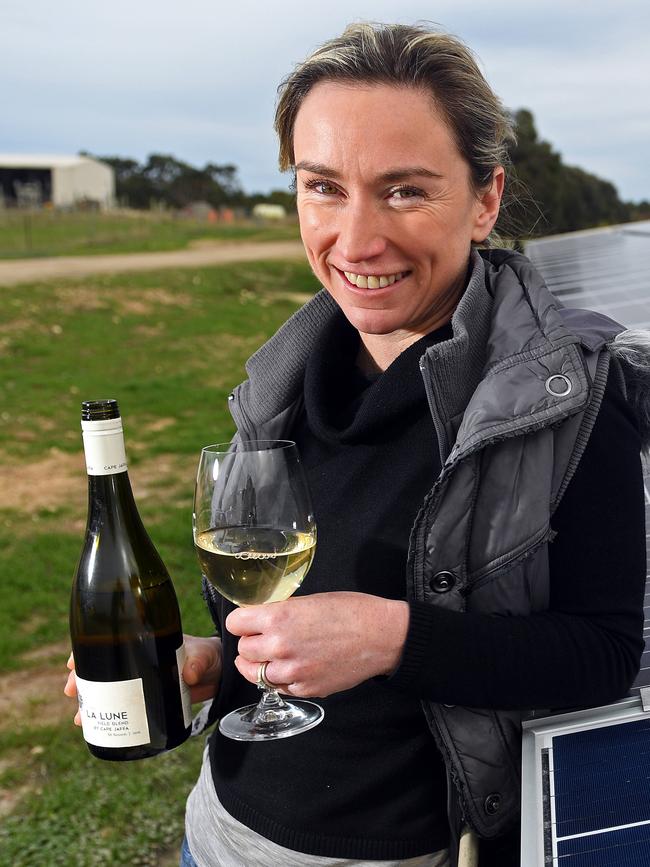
(402, 194)
(318, 185)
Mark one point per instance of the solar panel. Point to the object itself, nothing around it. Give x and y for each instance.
(598, 776)
(586, 775)
(606, 270)
(586, 788)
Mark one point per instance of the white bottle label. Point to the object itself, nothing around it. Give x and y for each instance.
(185, 690)
(104, 447)
(113, 713)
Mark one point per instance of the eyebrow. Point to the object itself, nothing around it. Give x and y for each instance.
(392, 175)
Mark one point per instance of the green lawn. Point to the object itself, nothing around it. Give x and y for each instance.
(53, 233)
(169, 346)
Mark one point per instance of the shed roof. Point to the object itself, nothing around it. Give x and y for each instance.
(43, 161)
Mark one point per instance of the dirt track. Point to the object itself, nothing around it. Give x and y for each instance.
(34, 270)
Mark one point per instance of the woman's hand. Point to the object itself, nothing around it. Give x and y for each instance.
(202, 669)
(70, 688)
(201, 672)
(320, 644)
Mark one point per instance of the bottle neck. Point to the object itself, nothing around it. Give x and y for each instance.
(113, 487)
(104, 447)
(109, 487)
(113, 516)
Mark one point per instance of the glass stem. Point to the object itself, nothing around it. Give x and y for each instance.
(270, 708)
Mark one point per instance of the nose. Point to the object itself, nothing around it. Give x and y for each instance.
(361, 234)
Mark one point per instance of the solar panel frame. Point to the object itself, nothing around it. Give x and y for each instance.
(542, 845)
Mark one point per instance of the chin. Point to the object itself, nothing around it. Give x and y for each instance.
(373, 321)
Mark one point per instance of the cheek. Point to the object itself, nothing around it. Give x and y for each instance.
(309, 218)
(314, 248)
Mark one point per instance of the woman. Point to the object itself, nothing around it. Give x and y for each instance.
(453, 422)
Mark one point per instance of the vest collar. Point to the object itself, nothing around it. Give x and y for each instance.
(512, 365)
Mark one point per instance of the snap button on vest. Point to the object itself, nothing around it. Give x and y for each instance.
(558, 385)
(442, 582)
(492, 804)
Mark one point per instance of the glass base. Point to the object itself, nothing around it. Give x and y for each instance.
(271, 719)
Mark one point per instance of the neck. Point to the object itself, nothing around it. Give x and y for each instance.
(378, 351)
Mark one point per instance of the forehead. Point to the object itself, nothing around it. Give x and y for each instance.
(375, 122)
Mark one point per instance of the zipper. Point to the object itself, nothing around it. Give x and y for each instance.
(586, 426)
(441, 433)
(425, 517)
(239, 415)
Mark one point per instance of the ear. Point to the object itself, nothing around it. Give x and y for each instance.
(488, 204)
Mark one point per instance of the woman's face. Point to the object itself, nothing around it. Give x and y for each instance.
(387, 212)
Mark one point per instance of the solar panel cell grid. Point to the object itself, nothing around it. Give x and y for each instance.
(601, 778)
(625, 848)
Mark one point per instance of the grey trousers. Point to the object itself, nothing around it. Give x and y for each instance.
(216, 839)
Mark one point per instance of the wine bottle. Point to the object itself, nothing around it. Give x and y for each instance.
(125, 624)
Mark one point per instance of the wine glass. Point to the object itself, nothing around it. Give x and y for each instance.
(255, 537)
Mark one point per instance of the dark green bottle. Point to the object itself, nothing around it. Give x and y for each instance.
(125, 624)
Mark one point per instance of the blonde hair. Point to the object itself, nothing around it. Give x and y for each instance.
(407, 56)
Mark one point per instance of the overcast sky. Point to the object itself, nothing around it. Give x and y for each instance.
(197, 78)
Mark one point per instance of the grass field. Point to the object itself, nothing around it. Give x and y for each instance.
(53, 233)
(169, 346)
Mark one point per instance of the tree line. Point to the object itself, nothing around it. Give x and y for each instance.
(544, 194)
(547, 196)
(164, 180)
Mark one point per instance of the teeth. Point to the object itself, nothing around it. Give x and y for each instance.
(373, 282)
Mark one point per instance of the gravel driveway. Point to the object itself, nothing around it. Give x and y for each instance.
(15, 271)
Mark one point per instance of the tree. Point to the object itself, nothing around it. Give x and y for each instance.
(549, 196)
(163, 178)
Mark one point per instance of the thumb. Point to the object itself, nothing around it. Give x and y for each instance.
(194, 669)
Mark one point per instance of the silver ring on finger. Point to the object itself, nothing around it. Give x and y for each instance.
(262, 681)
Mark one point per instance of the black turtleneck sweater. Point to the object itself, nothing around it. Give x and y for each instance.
(368, 782)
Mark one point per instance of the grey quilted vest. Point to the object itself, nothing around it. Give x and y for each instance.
(513, 396)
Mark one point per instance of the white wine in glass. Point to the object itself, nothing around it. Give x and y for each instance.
(255, 537)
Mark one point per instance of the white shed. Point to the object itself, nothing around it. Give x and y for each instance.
(267, 211)
(63, 181)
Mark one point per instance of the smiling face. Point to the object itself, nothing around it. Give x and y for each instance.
(387, 211)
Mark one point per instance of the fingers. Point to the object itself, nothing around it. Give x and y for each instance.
(70, 688)
(203, 660)
(323, 643)
(249, 621)
(192, 671)
(259, 648)
(250, 671)
(202, 668)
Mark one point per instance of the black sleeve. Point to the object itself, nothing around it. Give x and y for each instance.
(585, 649)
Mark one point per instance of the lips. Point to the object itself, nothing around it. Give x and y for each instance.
(373, 281)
